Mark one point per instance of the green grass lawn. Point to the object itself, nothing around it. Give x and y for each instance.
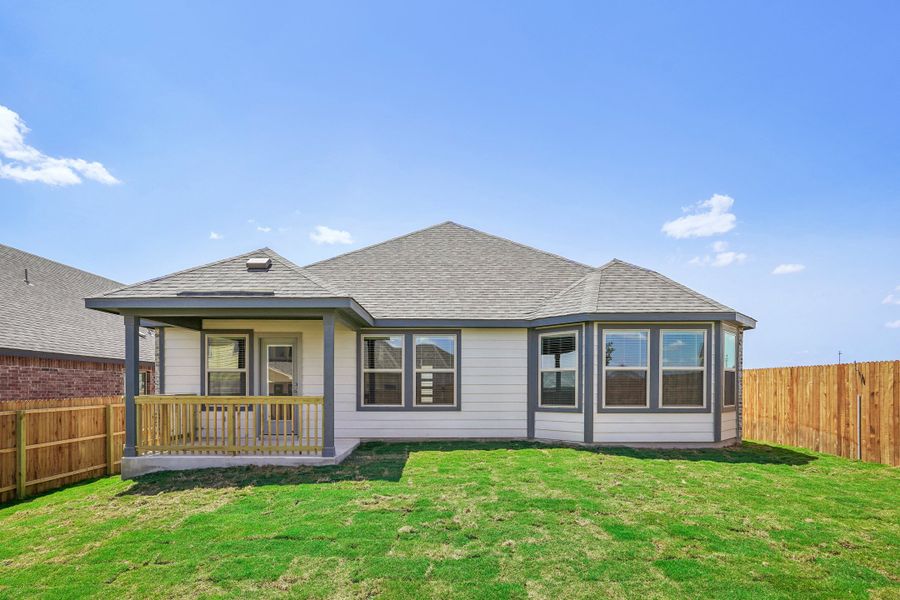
(472, 520)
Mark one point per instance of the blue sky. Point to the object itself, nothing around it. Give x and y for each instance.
(577, 128)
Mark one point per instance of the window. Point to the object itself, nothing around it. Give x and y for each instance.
(683, 365)
(144, 383)
(226, 365)
(435, 370)
(626, 368)
(729, 394)
(382, 370)
(558, 370)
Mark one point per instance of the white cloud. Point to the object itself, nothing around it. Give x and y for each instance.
(263, 229)
(709, 217)
(891, 298)
(893, 324)
(720, 246)
(788, 268)
(327, 235)
(215, 236)
(721, 259)
(27, 163)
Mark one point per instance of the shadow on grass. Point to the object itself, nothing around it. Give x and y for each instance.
(747, 452)
(385, 461)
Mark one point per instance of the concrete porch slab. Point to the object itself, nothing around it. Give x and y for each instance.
(135, 466)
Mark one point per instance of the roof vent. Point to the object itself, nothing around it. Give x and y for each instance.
(261, 263)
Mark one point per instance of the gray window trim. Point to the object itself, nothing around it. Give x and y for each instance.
(601, 356)
(249, 359)
(734, 331)
(655, 370)
(707, 368)
(409, 374)
(578, 330)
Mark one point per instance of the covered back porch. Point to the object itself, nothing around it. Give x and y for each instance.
(263, 395)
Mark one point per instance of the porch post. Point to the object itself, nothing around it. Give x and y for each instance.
(328, 372)
(132, 377)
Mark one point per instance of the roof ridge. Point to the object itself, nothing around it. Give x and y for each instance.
(56, 262)
(190, 270)
(455, 224)
(547, 301)
(662, 277)
(299, 270)
(520, 244)
(375, 245)
(685, 288)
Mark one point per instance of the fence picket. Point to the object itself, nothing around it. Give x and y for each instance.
(815, 407)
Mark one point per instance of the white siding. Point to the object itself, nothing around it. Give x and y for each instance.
(563, 426)
(653, 427)
(493, 393)
(182, 361)
(729, 425)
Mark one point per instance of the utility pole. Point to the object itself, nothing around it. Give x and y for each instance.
(839, 356)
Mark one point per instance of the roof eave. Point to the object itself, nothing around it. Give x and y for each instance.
(157, 307)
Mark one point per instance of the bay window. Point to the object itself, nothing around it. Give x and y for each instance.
(626, 368)
(683, 368)
(558, 370)
(729, 379)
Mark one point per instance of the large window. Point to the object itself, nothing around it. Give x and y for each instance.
(683, 365)
(558, 370)
(729, 394)
(226, 365)
(382, 370)
(435, 370)
(626, 368)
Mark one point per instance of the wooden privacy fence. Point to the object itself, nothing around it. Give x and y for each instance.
(46, 444)
(229, 425)
(851, 410)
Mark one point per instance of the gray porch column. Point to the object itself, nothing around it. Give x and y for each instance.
(328, 372)
(132, 379)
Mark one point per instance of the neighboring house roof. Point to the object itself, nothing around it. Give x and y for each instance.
(447, 271)
(48, 316)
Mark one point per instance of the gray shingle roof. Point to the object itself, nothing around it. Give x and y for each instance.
(284, 279)
(620, 287)
(447, 271)
(49, 315)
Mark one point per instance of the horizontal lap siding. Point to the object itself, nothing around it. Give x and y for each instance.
(493, 365)
(653, 427)
(562, 426)
(182, 361)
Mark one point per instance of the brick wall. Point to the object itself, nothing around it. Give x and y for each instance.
(25, 377)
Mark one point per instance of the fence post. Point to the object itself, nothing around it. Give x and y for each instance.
(110, 441)
(21, 447)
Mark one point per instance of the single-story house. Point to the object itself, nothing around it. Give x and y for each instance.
(51, 346)
(444, 333)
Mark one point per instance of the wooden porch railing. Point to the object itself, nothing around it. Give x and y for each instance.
(229, 425)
